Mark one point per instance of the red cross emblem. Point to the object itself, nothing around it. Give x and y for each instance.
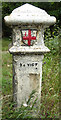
(29, 36)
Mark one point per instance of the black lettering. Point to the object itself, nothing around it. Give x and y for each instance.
(32, 64)
(36, 64)
(24, 65)
(36, 68)
(20, 65)
(28, 64)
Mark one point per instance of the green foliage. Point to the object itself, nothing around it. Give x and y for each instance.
(7, 72)
(5, 43)
(24, 112)
(52, 41)
(50, 80)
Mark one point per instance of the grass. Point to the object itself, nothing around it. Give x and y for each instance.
(5, 43)
(50, 82)
(7, 73)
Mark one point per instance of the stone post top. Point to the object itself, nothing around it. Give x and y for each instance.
(29, 14)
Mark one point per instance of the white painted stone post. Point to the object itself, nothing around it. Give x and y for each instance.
(28, 23)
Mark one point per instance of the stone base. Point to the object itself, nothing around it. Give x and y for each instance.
(27, 76)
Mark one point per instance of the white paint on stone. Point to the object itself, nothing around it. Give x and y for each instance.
(32, 49)
(28, 13)
(28, 71)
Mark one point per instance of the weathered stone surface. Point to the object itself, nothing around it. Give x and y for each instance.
(27, 76)
(26, 49)
(38, 46)
(29, 14)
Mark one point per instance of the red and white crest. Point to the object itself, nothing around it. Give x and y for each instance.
(29, 37)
